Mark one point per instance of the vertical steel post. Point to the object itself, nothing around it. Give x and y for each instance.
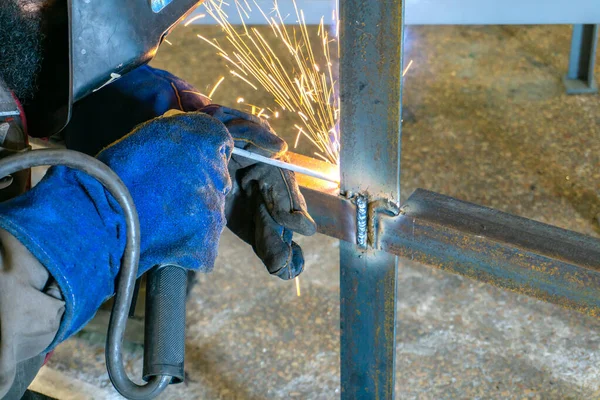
(370, 84)
(580, 77)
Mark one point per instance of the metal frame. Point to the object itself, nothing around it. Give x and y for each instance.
(370, 88)
(513, 253)
(510, 252)
(507, 251)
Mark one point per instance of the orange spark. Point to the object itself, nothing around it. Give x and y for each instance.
(214, 89)
(196, 18)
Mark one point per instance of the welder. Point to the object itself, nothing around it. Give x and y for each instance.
(62, 241)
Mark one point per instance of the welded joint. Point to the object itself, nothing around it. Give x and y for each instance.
(368, 215)
(378, 209)
(361, 220)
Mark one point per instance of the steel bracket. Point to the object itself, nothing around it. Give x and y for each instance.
(368, 216)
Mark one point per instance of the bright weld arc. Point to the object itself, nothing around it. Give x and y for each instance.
(297, 279)
(287, 166)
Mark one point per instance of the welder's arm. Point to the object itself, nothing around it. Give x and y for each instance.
(176, 171)
(31, 308)
(265, 206)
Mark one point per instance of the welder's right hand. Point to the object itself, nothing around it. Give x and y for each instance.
(265, 206)
(175, 168)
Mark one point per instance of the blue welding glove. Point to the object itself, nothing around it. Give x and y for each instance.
(147, 92)
(265, 206)
(176, 171)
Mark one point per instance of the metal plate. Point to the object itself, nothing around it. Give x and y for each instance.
(507, 251)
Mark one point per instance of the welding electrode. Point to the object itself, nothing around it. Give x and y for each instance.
(282, 164)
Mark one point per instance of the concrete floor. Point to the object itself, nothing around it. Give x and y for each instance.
(485, 120)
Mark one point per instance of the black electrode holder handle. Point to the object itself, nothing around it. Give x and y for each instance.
(164, 332)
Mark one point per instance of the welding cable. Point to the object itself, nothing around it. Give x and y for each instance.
(129, 264)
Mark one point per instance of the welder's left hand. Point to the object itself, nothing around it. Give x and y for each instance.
(265, 206)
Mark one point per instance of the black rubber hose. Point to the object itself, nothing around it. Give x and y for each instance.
(129, 264)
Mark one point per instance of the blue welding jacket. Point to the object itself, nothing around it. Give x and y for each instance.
(176, 170)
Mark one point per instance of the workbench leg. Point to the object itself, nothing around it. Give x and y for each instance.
(367, 321)
(580, 77)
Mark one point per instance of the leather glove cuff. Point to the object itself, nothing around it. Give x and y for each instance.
(76, 230)
(176, 171)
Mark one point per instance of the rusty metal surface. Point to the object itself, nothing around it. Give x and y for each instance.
(370, 91)
(370, 85)
(514, 253)
(368, 322)
(507, 251)
(335, 215)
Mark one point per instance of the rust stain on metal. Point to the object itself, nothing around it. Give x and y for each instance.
(551, 277)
